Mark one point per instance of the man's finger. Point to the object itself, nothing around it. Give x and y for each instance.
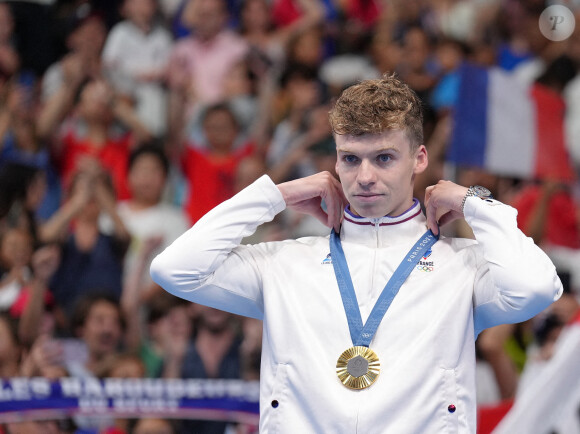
(431, 214)
(333, 202)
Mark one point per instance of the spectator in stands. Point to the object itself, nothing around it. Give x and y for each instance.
(299, 94)
(548, 213)
(122, 365)
(152, 425)
(199, 63)
(16, 248)
(241, 92)
(22, 189)
(210, 171)
(313, 141)
(251, 348)
(34, 427)
(19, 143)
(542, 50)
(135, 59)
(306, 48)
(35, 308)
(96, 128)
(90, 258)
(45, 358)
(385, 52)
(99, 323)
(145, 216)
(170, 331)
(10, 349)
(162, 341)
(268, 43)
(449, 55)
(86, 33)
(214, 353)
(414, 66)
(9, 58)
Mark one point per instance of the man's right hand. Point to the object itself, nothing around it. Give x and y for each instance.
(306, 194)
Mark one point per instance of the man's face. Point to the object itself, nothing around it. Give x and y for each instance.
(212, 319)
(102, 329)
(209, 17)
(377, 172)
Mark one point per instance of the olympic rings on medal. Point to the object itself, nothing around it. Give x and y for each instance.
(424, 268)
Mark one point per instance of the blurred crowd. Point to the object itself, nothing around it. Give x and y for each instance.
(122, 122)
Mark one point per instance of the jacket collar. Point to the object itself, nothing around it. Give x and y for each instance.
(384, 231)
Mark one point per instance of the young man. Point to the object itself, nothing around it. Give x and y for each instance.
(418, 372)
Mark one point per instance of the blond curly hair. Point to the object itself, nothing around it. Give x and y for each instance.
(375, 106)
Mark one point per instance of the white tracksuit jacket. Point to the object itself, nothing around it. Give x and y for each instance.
(426, 339)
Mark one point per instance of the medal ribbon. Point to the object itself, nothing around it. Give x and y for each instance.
(363, 335)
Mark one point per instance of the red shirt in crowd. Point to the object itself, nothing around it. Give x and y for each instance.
(113, 155)
(211, 178)
(561, 227)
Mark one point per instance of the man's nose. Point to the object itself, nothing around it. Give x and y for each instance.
(366, 174)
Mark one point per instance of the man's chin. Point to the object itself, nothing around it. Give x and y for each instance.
(368, 212)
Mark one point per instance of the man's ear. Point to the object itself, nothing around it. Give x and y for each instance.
(421, 160)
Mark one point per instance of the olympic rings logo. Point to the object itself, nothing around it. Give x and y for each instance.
(424, 268)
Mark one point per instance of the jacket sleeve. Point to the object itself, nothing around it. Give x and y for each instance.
(515, 279)
(207, 264)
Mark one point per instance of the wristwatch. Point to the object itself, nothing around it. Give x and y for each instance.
(476, 191)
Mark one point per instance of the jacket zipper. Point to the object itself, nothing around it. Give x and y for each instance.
(376, 224)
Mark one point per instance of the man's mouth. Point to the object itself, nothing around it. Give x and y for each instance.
(368, 195)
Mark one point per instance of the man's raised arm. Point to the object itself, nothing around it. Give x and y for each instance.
(515, 280)
(207, 265)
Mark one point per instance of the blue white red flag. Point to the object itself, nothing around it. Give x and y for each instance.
(507, 128)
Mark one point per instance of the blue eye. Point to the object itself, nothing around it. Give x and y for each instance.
(350, 158)
(384, 158)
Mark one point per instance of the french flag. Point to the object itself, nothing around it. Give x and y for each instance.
(507, 128)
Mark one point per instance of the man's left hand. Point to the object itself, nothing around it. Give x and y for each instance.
(443, 204)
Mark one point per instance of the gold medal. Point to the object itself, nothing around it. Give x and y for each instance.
(358, 367)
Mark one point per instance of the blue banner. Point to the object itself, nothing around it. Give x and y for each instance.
(38, 398)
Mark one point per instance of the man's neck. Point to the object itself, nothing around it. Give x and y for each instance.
(212, 346)
(94, 363)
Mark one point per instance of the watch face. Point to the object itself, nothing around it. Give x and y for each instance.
(481, 191)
